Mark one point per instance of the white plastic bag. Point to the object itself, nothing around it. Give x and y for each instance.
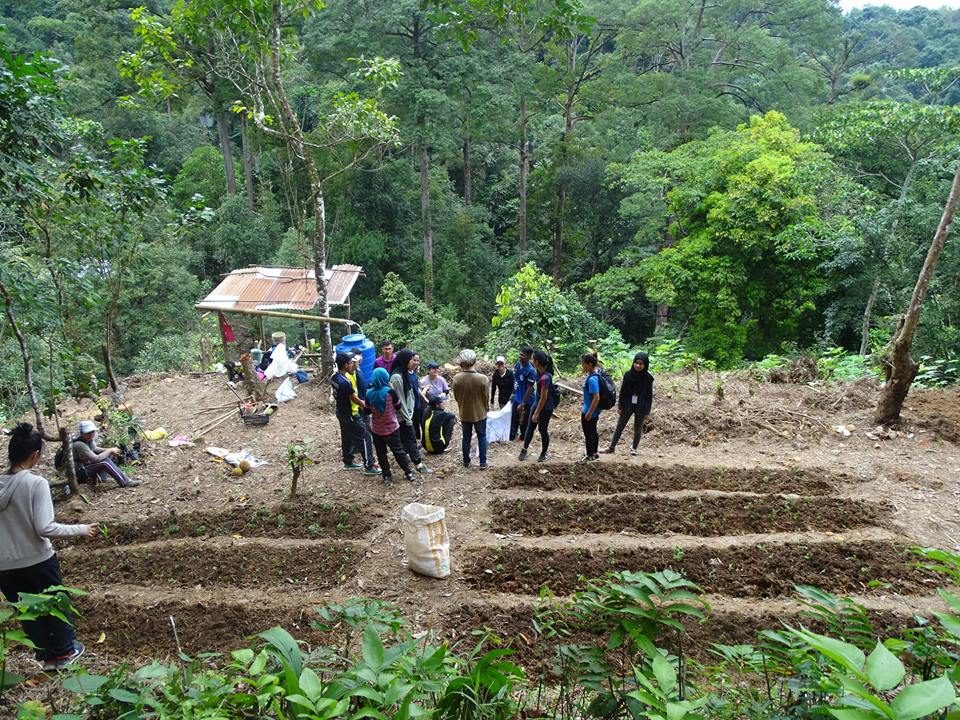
(285, 391)
(426, 540)
(280, 364)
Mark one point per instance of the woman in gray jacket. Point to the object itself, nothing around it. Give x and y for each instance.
(28, 563)
(407, 394)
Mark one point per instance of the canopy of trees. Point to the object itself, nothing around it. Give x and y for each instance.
(750, 177)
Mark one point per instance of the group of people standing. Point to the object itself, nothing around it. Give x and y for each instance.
(396, 409)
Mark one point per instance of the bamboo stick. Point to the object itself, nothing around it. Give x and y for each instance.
(221, 421)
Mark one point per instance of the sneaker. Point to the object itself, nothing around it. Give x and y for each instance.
(410, 477)
(596, 456)
(585, 459)
(372, 471)
(422, 468)
(352, 466)
(523, 454)
(131, 483)
(633, 451)
(543, 457)
(387, 479)
(607, 451)
(61, 661)
(484, 466)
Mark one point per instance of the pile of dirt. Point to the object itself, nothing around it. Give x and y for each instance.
(610, 478)
(762, 570)
(799, 370)
(701, 515)
(936, 410)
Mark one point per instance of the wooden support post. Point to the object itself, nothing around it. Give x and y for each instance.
(263, 335)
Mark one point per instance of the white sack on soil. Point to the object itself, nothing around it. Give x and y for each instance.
(426, 540)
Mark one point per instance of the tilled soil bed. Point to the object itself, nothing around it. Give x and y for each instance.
(607, 478)
(201, 627)
(314, 566)
(747, 571)
(304, 519)
(703, 515)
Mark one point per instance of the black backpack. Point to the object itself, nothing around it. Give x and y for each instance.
(608, 390)
(59, 461)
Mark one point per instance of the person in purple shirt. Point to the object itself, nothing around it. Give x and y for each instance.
(433, 384)
(385, 360)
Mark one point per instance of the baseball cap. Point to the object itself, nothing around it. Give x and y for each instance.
(432, 366)
(87, 426)
(501, 359)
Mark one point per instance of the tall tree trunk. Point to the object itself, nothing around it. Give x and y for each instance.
(901, 369)
(522, 219)
(247, 161)
(27, 362)
(425, 217)
(558, 232)
(562, 189)
(868, 310)
(293, 135)
(868, 317)
(224, 129)
(467, 172)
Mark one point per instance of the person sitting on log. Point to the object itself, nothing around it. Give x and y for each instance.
(97, 462)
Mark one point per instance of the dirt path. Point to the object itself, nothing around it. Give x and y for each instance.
(744, 510)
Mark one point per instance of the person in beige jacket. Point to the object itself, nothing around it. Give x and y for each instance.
(471, 390)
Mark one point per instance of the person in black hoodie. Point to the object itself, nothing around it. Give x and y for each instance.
(635, 400)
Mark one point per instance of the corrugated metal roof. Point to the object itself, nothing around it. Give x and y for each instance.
(265, 288)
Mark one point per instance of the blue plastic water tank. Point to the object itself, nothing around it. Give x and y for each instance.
(351, 343)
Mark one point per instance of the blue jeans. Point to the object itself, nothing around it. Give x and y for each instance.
(468, 427)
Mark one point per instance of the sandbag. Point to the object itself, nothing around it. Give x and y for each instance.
(426, 540)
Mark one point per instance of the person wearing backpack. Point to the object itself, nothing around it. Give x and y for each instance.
(636, 399)
(590, 411)
(545, 400)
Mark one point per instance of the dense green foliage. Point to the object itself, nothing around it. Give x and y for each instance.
(598, 654)
(748, 178)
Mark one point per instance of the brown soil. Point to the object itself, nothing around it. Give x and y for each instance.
(302, 519)
(315, 565)
(142, 573)
(200, 626)
(744, 571)
(937, 410)
(608, 478)
(700, 515)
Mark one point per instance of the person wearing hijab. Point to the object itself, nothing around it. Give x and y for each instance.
(405, 391)
(385, 426)
(635, 400)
